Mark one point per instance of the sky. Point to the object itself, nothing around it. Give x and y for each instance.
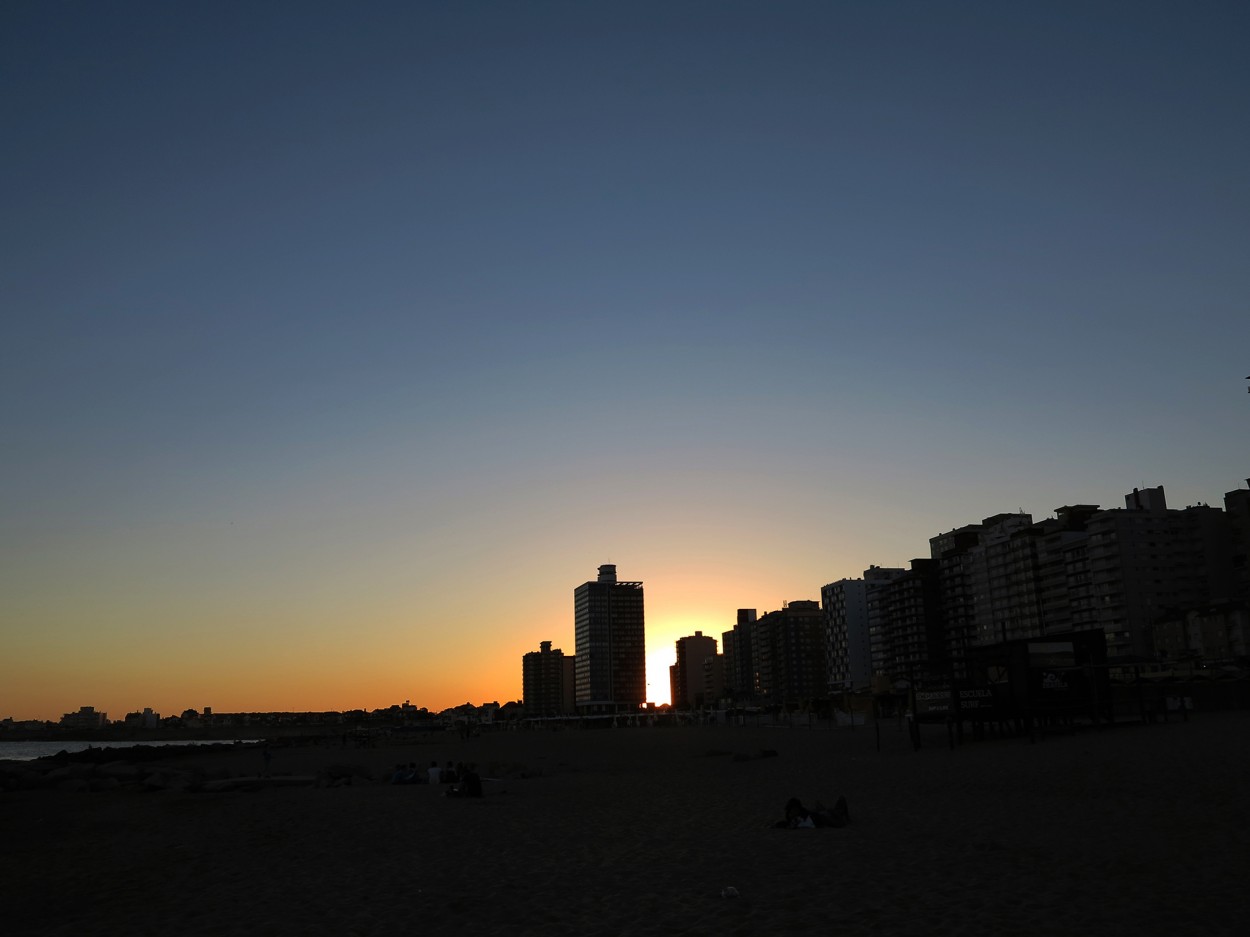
(341, 342)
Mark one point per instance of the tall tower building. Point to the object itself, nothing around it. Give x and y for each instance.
(611, 669)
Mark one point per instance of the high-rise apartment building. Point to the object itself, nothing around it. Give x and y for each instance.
(1004, 578)
(848, 657)
(547, 682)
(1237, 506)
(1150, 578)
(1066, 588)
(686, 675)
(713, 679)
(877, 580)
(611, 668)
(912, 646)
(788, 651)
(1119, 570)
(953, 553)
(739, 666)
(1147, 561)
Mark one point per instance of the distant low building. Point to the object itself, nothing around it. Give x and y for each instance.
(9, 724)
(144, 720)
(85, 718)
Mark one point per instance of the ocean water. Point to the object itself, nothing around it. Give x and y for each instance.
(29, 751)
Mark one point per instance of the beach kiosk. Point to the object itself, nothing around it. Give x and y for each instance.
(1054, 679)
(1021, 686)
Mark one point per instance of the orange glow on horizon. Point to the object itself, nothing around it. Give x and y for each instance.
(296, 654)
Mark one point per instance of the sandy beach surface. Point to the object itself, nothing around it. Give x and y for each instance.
(1128, 830)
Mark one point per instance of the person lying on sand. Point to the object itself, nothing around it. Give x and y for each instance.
(799, 817)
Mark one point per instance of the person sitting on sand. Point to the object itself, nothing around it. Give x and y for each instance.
(433, 772)
(470, 783)
(449, 775)
(799, 817)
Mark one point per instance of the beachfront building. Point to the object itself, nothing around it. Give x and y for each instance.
(788, 651)
(1237, 507)
(739, 667)
(1117, 570)
(610, 673)
(1216, 635)
(1005, 580)
(1065, 590)
(686, 675)
(547, 682)
(953, 553)
(1147, 561)
(713, 679)
(85, 718)
(877, 581)
(848, 659)
(148, 719)
(912, 645)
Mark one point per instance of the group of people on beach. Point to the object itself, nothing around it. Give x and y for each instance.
(798, 817)
(462, 779)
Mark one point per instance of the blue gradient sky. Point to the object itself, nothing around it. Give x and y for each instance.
(340, 342)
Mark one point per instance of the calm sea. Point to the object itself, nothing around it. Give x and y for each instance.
(29, 751)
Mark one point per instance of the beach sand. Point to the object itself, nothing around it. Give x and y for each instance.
(1128, 830)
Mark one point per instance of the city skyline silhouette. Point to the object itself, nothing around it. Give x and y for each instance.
(341, 344)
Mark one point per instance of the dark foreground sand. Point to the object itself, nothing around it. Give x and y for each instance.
(1132, 830)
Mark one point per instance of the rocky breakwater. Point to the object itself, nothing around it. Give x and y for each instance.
(198, 768)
